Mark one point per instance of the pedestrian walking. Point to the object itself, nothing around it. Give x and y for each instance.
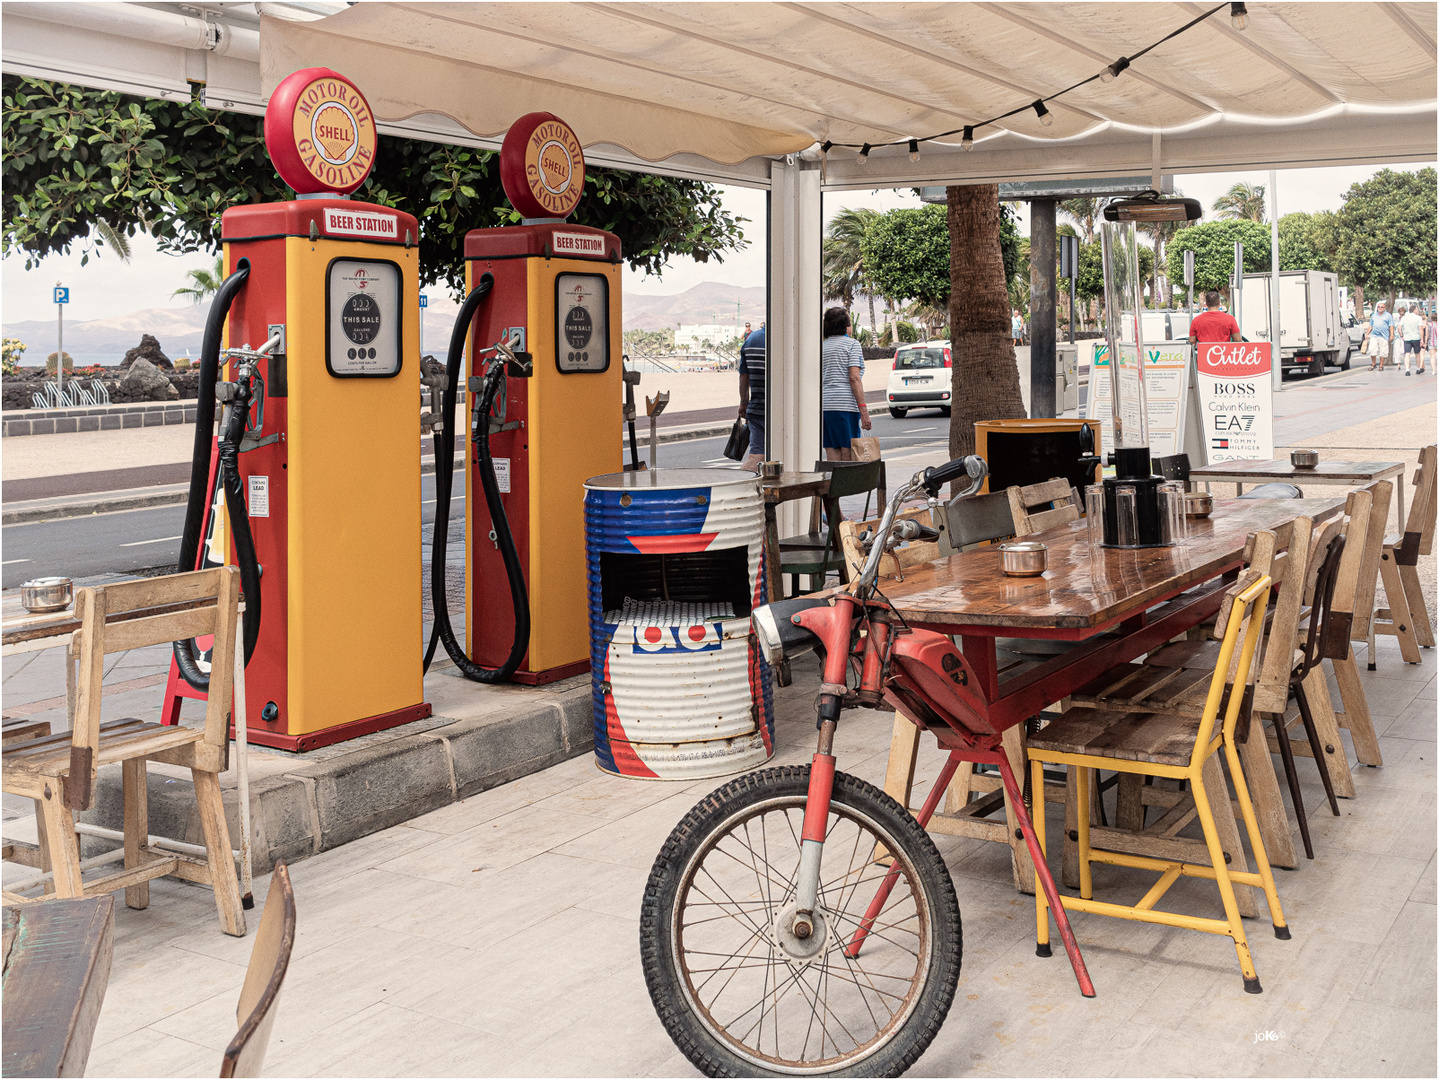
(1378, 329)
(1411, 330)
(752, 356)
(841, 387)
(1431, 337)
(1214, 324)
(1016, 327)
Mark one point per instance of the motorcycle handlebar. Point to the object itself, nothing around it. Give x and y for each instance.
(937, 476)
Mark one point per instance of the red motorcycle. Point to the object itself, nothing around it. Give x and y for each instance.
(799, 920)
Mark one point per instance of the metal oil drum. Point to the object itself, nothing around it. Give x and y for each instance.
(675, 562)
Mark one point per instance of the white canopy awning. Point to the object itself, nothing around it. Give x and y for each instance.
(719, 89)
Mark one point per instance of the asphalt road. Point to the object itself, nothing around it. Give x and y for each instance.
(130, 541)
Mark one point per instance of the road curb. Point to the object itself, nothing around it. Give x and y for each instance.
(113, 502)
(318, 806)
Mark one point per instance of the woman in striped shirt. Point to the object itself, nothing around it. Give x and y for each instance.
(841, 387)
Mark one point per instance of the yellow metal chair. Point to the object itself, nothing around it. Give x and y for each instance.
(1177, 747)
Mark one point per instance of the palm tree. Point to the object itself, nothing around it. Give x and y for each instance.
(1243, 202)
(118, 241)
(1084, 213)
(986, 377)
(1162, 232)
(203, 283)
(843, 259)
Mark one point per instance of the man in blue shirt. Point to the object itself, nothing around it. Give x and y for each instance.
(751, 394)
(1381, 325)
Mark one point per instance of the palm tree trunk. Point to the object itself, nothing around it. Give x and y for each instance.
(873, 326)
(986, 378)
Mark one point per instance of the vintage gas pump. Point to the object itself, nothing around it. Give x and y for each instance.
(324, 428)
(548, 292)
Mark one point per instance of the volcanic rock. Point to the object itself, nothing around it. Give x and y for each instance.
(148, 349)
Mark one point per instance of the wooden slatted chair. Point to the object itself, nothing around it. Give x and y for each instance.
(1037, 507)
(1407, 616)
(1174, 747)
(269, 961)
(59, 771)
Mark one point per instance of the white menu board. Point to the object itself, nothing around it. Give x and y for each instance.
(1166, 392)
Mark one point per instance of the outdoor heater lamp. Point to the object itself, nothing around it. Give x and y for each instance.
(1124, 335)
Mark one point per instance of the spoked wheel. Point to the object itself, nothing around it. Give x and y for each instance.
(740, 993)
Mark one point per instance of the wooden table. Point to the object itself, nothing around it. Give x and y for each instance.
(1115, 607)
(784, 488)
(56, 967)
(1344, 473)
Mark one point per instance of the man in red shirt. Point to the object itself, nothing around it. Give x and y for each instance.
(1213, 325)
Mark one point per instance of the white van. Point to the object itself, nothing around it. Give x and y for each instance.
(921, 378)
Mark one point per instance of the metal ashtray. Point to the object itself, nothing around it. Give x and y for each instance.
(44, 594)
(1304, 459)
(1198, 504)
(1025, 558)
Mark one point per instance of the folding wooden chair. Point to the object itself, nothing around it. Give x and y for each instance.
(58, 771)
(1037, 507)
(1407, 616)
(259, 996)
(1176, 747)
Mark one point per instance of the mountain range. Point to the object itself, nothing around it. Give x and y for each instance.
(180, 330)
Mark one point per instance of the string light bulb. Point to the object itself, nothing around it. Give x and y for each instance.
(1044, 115)
(966, 141)
(913, 149)
(863, 154)
(1113, 71)
(1238, 16)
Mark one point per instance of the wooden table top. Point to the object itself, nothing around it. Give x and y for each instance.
(1078, 592)
(56, 966)
(1355, 472)
(794, 485)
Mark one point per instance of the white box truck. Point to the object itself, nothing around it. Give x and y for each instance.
(1311, 320)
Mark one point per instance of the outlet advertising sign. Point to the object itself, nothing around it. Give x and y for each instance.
(1236, 400)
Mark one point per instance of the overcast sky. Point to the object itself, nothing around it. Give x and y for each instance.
(106, 287)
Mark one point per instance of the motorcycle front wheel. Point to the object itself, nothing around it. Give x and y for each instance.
(739, 993)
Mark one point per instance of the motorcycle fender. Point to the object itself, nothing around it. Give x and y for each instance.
(930, 665)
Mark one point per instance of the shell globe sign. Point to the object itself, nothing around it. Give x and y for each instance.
(542, 166)
(320, 132)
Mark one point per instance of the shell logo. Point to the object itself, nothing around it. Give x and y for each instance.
(542, 166)
(320, 132)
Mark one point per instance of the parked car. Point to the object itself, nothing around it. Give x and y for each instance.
(920, 378)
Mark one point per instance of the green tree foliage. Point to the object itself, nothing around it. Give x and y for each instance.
(1084, 213)
(1384, 234)
(650, 341)
(1242, 202)
(1213, 247)
(1089, 284)
(75, 158)
(906, 253)
(1301, 243)
(204, 282)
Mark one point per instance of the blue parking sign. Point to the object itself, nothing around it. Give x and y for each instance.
(62, 294)
(424, 300)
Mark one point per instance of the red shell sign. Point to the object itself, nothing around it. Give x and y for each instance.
(542, 166)
(320, 132)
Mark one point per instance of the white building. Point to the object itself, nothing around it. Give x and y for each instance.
(696, 335)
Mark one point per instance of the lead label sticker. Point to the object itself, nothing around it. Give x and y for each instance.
(259, 496)
(363, 332)
(582, 342)
(502, 473)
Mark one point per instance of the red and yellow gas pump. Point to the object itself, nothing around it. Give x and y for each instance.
(320, 434)
(550, 291)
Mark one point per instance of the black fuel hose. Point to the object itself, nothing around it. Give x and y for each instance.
(444, 443)
(199, 500)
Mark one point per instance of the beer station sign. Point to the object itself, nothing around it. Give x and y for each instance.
(542, 166)
(320, 132)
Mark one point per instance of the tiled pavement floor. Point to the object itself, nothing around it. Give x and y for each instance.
(499, 936)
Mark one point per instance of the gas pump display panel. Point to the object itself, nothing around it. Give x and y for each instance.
(362, 319)
(582, 304)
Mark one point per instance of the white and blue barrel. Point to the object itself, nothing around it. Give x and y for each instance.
(676, 563)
